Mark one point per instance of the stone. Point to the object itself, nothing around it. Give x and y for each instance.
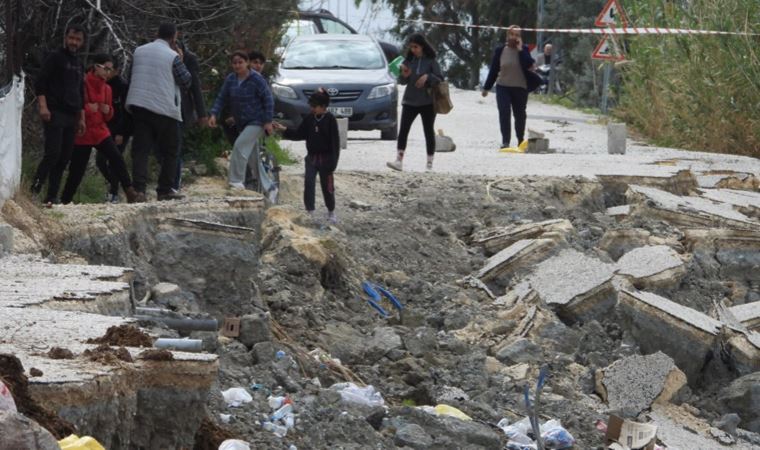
(263, 352)
(518, 371)
(616, 138)
(450, 394)
(361, 206)
(383, 340)
(728, 423)
(618, 242)
(742, 397)
(632, 384)
(412, 435)
(493, 365)
(654, 266)
(420, 341)
(254, 328)
(520, 351)
(18, 432)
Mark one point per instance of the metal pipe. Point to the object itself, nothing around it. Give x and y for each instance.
(143, 310)
(183, 345)
(184, 324)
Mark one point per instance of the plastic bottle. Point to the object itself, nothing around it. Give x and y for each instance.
(276, 402)
(290, 421)
(282, 412)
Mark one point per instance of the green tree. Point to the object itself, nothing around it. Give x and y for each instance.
(464, 50)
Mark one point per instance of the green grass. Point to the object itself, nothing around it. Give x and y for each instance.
(566, 101)
(281, 155)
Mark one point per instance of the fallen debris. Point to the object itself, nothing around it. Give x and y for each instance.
(156, 355)
(60, 353)
(652, 267)
(124, 335)
(493, 240)
(108, 355)
(518, 255)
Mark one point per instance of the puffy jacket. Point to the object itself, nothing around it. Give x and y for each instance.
(250, 101)
(96, 90)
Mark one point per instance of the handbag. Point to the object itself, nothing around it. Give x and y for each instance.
(441, 98)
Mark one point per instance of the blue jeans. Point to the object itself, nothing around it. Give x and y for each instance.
(514, 99)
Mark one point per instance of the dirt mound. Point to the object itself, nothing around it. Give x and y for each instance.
(124, 335)
(157, 355)
(35, 372)
(210, 435)
(108, 355)
(60, 353)
(12, 374)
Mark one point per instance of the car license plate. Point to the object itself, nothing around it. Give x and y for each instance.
(341, 111)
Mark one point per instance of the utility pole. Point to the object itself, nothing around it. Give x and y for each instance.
(540, 34)
(606, 86)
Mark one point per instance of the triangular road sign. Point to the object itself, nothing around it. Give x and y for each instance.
(612, 15)
(607, 50)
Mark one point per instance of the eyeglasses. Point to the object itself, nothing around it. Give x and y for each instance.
(106, 68)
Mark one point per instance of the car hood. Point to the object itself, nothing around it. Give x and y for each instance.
(328, 76)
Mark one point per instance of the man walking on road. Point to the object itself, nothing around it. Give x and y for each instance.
(155, 102)
(60, 96)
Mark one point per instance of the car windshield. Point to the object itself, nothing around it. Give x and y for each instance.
(298, 28)
(333, 54)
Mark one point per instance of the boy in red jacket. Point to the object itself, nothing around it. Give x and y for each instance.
(98, 110)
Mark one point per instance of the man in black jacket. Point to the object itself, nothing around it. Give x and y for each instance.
(60, 97)
(193, 108)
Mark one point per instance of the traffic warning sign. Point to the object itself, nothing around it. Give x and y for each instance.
(607, 49)
(612, 14)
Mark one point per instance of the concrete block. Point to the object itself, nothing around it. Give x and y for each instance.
(538, 145)
(343, 132)
(6, 238)
(493, 240)
(520, 254)
(616, 137)
(652, 266)
(254, 328)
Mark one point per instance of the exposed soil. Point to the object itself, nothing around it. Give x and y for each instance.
(211, 435)
(12, 374)
(108, 355)
(156, 355)
(35, 372)
(60, 353)
(124, 335)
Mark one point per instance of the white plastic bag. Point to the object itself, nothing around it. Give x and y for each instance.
(234, 444)
(235, 397)
(352, 393)
(6, 399)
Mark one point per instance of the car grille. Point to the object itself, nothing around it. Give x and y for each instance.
(341, 96)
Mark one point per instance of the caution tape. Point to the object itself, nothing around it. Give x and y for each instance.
(598, 31)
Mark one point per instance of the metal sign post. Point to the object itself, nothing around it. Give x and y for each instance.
(607, 49)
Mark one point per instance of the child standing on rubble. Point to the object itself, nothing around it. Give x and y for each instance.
(320, 131)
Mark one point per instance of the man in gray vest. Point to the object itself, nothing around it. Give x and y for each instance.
(155, 101)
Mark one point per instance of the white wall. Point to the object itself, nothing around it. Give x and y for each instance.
(11, 105)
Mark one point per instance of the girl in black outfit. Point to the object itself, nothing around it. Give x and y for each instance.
(420, 72)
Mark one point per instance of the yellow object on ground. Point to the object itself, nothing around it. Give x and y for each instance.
(519, 149)
(446, 410)
(75, 442)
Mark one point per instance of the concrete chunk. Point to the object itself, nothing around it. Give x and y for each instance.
(520, 254)
(632, 384)
(746, 202)
(6, 238)
(748, 315)
(494, 240)
(652, 266)
(616, 137)
(22, 433)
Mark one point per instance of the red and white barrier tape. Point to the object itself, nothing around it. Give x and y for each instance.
(599, 31)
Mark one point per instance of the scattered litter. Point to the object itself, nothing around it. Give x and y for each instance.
(6, 399)
(225, 418)
(282, 418)
(446, 410)
(260, 387)
(236, 396)
(626, 434)
(376, 294)
(280, 354)
(75, 442)
(519, 149)
(352, 393)
(234, 444)
(553, 435)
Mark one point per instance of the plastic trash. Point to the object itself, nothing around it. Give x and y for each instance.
(235, 397)
(394, 67)
(446, 410)
(6, 399)
(234, 444)
(519, 149)
(225, 418)
(557, 438)
(75, 442)
(276, 402)
(289, 421)
(280, 354)
(512, 445)
(283, 411)
(352, 393)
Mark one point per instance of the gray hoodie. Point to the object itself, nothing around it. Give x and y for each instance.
(415, 96)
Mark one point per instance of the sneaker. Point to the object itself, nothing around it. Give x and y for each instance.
(237, 186)
(113, 198)
(395, 165)
(169, 196)
(332, 218)
(429, 166)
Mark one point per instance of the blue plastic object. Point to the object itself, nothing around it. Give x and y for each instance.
(376, 294)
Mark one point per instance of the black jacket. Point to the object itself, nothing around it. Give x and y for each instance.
(61, 81)
(192, 98)
(322, 140)
(121, 123)
(526, 62)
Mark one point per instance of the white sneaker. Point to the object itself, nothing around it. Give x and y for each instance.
(395, 165)
(332, 218)
(237, 186)
(429, 166)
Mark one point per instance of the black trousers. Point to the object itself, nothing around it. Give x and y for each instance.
(325, 181)
(59, 134)
(81, 156)
(514, 99)
(408, 114)
(154, 131)
(109, 173)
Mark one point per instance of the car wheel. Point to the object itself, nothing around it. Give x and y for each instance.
(389, 134)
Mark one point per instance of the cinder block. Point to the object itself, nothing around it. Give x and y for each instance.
(616, 136)
(6, 238)
(538, 145)
(343, 132)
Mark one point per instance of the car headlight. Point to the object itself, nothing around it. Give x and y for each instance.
(283, 91)
(382, 91)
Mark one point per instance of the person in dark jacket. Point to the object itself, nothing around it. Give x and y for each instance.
(511, 71)
(60, 96)
(252, 107)
(193, 109)
(98, 110)
(320, 131)
(120, 127)
(420, 72)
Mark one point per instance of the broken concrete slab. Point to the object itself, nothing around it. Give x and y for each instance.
(746, 202)
(679, 429)
(659, 324)
(742, 397)
(494, 240)
(518, 255)
(619, 212)
(22, 433)
(576, 285)
(748, 315)
(630, 385)
(31, 281)
(652, 267)
(615, 186)
(736, 251)
(694, 212)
